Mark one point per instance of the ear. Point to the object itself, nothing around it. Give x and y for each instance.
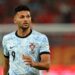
(14, 19)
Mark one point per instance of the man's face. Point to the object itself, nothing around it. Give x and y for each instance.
(23, 19)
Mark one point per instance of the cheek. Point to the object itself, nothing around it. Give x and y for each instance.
(18, 21)
(29, 20)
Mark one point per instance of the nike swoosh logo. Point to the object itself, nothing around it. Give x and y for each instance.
(12, 47)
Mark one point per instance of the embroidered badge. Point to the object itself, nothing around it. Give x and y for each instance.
(32, 46)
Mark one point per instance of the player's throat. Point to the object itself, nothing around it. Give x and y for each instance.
(24, 33)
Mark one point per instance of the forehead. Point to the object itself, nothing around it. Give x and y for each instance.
(23, 13)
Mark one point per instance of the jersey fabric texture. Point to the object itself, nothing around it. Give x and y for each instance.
(33, 45)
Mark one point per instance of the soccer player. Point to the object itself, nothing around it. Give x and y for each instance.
(26, 51)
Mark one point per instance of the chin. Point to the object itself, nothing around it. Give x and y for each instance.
(25, 27)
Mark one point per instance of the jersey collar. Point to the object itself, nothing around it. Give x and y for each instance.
(23, 36)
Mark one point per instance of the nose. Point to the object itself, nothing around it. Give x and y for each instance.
(25, 18)
(25, 21)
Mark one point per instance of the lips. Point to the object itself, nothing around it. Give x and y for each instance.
(25, 24)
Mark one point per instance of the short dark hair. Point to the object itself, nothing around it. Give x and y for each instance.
(21, 8)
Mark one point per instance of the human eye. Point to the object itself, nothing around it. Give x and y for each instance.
(22, 16)
(28, 16)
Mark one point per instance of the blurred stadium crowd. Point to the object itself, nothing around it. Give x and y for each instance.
(43, 11)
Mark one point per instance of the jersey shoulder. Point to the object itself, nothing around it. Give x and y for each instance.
(39, 34)
(8, 36)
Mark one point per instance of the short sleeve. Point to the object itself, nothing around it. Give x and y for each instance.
(5, 51)
(44, 45)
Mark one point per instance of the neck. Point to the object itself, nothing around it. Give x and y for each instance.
(23, 33)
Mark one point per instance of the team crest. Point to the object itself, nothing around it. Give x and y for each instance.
(32, 46)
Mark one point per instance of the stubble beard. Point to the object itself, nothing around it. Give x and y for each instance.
(25, 28)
